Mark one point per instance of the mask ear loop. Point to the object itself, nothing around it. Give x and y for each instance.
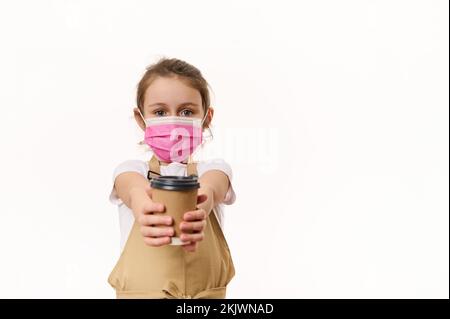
(142, 116)
(142, 142)
(203, 120)
(203, 139)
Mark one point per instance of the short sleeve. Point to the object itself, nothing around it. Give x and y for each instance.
(221, 165)
(137, 166)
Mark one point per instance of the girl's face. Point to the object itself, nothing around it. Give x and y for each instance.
(171, 97)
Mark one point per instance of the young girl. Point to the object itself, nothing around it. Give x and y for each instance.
(172, 96)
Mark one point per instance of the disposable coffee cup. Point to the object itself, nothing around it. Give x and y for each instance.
(179, 195)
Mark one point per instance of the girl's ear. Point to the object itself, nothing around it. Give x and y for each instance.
(209, 117)
(138, 118)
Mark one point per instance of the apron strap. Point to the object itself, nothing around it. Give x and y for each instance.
(191, 167)
(154, 168)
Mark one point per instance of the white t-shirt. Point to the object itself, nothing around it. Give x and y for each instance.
(126, 217)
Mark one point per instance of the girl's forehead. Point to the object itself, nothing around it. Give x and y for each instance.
(171, 91)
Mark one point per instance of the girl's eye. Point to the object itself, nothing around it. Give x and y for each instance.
(186, 112)
(159, 113)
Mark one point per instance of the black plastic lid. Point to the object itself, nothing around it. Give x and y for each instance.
(175, 183)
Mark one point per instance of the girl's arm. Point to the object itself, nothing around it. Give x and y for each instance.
(134, 190)
(128, 183)
(214, 184)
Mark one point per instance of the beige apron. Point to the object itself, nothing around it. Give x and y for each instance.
(169, 271)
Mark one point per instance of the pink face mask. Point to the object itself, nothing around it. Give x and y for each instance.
(173, 138)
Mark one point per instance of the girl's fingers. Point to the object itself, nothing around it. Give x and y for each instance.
(192, 237)
(156, 231)
(147, 220)
(156, 242)
(193, 226)
(152, 207)
(198, 214)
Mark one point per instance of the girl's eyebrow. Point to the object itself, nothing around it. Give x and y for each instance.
(182, 104)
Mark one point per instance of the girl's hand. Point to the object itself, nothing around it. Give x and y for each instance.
(193, 224)
(156, 229)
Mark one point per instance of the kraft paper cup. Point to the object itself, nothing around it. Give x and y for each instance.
(179, 195)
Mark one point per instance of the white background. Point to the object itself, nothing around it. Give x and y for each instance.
(332, 114)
